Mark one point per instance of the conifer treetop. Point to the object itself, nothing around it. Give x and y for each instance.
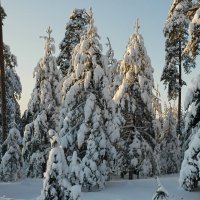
(49, 43)
(137, 26)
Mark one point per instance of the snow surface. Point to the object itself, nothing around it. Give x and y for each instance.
(142, 189)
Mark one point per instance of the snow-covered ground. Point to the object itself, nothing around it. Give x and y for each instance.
(142, 189)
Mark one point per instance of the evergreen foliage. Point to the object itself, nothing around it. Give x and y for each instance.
(170, 151)
(56, 185)
(12, 162)
(134, 98)
(176, 34)
(42, 112)
(84, 116)
(75, 28)
(13, 91)
(189, 174)
(190, 168)
(194, 28)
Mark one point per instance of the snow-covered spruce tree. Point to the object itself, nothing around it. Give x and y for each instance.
(161, 192)
(75, 28)
(115, 120)
(83, 117)
(36, 146)
(176, 34)
(170, 151)
(13, 91)
(13, 88)
(42, 111)
(112, 69)
(192, 111)
(190, 168)
(12, 163)
(74, 170)
(134, 97)
(56, 185)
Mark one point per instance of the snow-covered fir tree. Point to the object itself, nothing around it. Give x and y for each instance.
(75, 28)
(112, 113)
(42, 112)
(56, 185)
(161, 192)
(13, 91)
(190, 168)
(158, 114)
(74, 170)
(12, 162)
(112, 69)
(13, 88)
(134, 98)
(170, 151)
(36, 146)
(192, 111)
(176, 34)
(84, 116)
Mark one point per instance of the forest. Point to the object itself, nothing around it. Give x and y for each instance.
(92, 117)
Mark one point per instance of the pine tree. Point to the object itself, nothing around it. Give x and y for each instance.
(176, 34)
(169, 146)
(83, 117)
(12, 163)
(74, 30)
(134, 97)
(42, 112)
(190, 168)
(194, 28)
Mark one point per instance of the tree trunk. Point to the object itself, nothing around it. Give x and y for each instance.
(179, 93)
(130, 173)
(3, 92)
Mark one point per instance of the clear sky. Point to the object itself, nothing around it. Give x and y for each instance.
(27, 20)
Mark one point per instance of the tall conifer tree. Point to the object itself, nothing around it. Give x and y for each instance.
(134, 97)
(190, 168)
(42, 111)
(176, 34)
(84, 116)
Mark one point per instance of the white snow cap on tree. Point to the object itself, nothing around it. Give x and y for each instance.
(192, 104)
(87, 110)
(170, 150)
(161, 192)
(55, 173)
(12, 162)
(43, 108)
(134, 100)
(45, 95)
(190, 168)
(13, 89)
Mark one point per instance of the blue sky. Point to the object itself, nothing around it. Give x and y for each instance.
(27, 20)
